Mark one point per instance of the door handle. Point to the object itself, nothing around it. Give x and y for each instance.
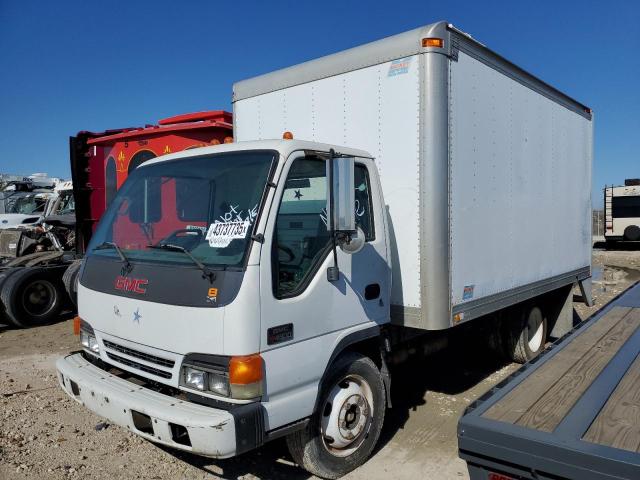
(372, 291)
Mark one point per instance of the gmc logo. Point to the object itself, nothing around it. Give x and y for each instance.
(135, 285)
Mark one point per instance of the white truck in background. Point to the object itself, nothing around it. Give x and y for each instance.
(243, 292)
(24, 200)
(622, 212)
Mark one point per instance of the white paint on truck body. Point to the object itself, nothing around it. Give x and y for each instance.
(515, 156)
(368, 109)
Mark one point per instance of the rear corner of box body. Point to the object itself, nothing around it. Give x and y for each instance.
(434, 193)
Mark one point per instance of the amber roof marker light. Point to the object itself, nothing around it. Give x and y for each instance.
(287, 136)
(433, 42)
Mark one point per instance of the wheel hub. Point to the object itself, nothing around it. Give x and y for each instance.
(347, 416)
(353, 415)
(38, 298)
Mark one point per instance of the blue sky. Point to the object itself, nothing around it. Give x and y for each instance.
(77, 65)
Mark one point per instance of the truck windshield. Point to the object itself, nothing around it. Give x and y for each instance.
(26, 205)
(207, 205)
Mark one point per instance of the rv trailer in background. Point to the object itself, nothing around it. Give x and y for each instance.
(622, 212)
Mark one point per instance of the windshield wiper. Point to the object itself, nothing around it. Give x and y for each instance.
(125, 260)
(206, 273)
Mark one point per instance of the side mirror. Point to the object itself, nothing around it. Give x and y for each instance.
(341, 217)
(352, 243)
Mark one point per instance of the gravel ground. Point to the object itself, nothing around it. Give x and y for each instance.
(44, 434)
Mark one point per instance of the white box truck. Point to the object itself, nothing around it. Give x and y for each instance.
(376, 198)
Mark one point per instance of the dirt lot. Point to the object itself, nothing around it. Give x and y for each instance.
(43, 434)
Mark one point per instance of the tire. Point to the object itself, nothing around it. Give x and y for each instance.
(70, 281)
(323, 447)
(4, 274)
(32, 296)
(527, 335)
(632, 233)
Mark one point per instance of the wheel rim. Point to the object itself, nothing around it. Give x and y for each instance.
(38, 298)
(535, 330)
(347, 415)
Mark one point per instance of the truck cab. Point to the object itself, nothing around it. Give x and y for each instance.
(212, 282)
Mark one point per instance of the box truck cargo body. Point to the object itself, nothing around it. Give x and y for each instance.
(372, 201)
(486, 170)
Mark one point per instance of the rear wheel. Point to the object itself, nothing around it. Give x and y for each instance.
(32, 296)
(632, 233)
(343, 432)
(526, 333)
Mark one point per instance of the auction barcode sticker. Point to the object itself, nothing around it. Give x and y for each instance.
(220, 234)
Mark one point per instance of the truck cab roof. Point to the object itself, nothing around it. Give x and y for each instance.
(285, 147)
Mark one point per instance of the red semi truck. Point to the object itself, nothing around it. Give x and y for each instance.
(38, 274)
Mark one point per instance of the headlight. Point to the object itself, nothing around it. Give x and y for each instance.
(194, 378)
(93, 344)
(88, 338)
(205, 380)
(219, 383)
(235, 377)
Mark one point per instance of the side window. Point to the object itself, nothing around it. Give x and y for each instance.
(364, 214)
(139, 158)
(301, 239)
(111, 180)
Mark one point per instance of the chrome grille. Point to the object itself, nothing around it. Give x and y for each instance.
(163, 362)
(139, 366)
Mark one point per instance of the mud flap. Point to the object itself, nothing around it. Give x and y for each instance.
(585, 291)
(386, 378)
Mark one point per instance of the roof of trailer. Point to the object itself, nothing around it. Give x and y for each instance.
(187, 121)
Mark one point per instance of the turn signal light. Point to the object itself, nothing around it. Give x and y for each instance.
(228, 139)
(245, 376)
(246, 369)
(76, 325)
(433, 42)
(287, 136)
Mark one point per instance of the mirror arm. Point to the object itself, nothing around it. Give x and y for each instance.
(333, 273)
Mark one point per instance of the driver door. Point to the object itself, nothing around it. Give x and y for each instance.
(303, 315)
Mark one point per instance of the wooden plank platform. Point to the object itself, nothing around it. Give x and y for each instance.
(521, 399)
(542, 401)
(618, 423)
(574, 412)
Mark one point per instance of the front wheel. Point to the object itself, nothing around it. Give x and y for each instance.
(345, 428)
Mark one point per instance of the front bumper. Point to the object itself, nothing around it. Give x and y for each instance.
(164, 419)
